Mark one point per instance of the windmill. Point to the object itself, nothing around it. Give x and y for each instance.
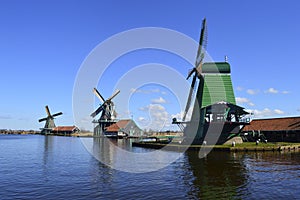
(108, 114)
(49, 125)
(215, 113)
(107, 107)
(196, 71)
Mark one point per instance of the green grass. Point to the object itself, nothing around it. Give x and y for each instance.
(252, 145)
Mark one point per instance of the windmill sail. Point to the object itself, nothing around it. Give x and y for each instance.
(43, 119)
(57, 114)
(47, 111)
(197, 69)
(189, 101)
(97, 93)
(113, 96)
(202, 44)
(106, 107)
(96, 112)
(49, 119)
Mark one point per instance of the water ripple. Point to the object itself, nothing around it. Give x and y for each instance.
(38, 167)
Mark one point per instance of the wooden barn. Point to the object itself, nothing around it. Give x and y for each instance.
(65, 130)
(123, 128)
(275, 129)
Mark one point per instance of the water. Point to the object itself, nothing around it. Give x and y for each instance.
(39, 167)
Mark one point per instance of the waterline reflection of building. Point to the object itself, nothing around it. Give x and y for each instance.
(218, 175)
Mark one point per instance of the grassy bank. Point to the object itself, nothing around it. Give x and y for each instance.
(246, 146)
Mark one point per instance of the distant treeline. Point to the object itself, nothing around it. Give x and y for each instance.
(9, 131)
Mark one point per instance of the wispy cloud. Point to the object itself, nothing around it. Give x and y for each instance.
(152, 107)
(179, 116)
(266, 112)
(252, 91)
(275, 91)
(242, 100)
(271, 91)
(141, 119)
(160, 100)
(158, 119)
(150, 91)
(278, 112)
(239, 88)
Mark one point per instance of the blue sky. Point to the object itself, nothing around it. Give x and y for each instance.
(44, 43)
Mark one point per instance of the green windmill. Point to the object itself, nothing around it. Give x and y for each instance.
(215, 113)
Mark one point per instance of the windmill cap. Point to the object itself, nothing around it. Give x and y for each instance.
(216, 67)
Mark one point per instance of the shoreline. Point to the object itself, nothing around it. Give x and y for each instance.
(244, 147)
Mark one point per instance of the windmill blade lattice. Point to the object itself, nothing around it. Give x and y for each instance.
(106, 107)
(198, 66)
(50, 118)
(189, 101)
(57, 114)
(113, 96)
(96, 112)
(97, 93)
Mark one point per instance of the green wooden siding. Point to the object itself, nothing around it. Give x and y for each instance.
(217, 87)
(216, 67)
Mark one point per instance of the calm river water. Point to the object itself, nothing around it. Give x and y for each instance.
(39, 167)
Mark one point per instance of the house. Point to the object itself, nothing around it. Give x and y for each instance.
(123, 128)
(275, 129)
(65, 130)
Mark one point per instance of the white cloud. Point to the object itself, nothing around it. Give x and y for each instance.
(239, 88)
(272, 91)
(266, 112)
(242, 100)
(251, 104)
(156, 90)
(141, 119)
(152, 107)
(252, 92)
(158, 119)
(179, 116)
(160, 100)
(134, 90)
(278, 112)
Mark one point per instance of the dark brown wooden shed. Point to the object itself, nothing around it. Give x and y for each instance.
(276, 129)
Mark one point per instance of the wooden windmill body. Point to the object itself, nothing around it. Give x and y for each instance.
(49, 125)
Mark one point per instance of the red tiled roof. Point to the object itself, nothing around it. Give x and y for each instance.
(118, 125)
(64, 128)
(275, 124)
